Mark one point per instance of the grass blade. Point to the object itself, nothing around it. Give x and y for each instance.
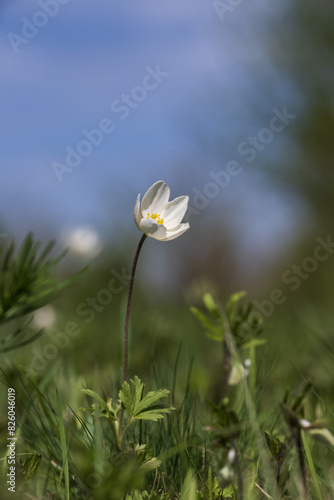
(63, 445)
(311, 466)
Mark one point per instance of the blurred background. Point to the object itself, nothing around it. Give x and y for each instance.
(251, 83)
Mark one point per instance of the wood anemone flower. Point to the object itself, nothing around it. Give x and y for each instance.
(159, 218)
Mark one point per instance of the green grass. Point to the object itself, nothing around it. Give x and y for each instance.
(212, 445)
(79, 460)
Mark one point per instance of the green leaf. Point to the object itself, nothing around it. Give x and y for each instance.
(97, 397)
(205, 321)
(254, 343)
(217, 336)
(232, 302)
(189, 488)
(31, 465)
(211, 305)
(278, 449)
(101, 408)
(131, 396)
(139, 407)
(151, 464)
(312, 467)
(228, 492)
(154, 414)
(214, 331)
(150, 398)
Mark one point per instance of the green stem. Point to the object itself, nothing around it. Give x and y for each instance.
(226, 369)
(126, 328)
(115, 435)
(131, 419)
(127, 315)
(311, 466)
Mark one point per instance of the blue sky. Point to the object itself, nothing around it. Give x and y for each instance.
(65, 78)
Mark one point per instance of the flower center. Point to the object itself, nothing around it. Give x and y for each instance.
(155, 217)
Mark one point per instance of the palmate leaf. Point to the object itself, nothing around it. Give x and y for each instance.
(153, 413)
(139, 407)
(131, 396)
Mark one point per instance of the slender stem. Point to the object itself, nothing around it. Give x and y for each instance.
(278, 475)
(300, 452)
(126, 332)
(125, 430)
(127, 315)
(225, 369)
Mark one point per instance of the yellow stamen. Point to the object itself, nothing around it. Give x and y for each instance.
(155, 217)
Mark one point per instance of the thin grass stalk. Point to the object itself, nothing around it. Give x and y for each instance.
(64, 450)
(311, 466)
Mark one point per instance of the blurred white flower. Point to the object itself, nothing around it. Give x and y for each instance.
(237, 373)
(231, 455)
(44, 317)
(305, 424)
(225, 475)
(159, 218)
(247, 363)
(83, 241)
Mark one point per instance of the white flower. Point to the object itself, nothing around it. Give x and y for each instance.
(237, 373)
(159, 218)
(83, 241)
(44, 317)
(305, 424)
(226, 474)
(231, 455)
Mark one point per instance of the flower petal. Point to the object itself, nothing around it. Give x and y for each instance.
(173, 212)
(137, 213)
(176, 231)
(155, 197)
(153, 229)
